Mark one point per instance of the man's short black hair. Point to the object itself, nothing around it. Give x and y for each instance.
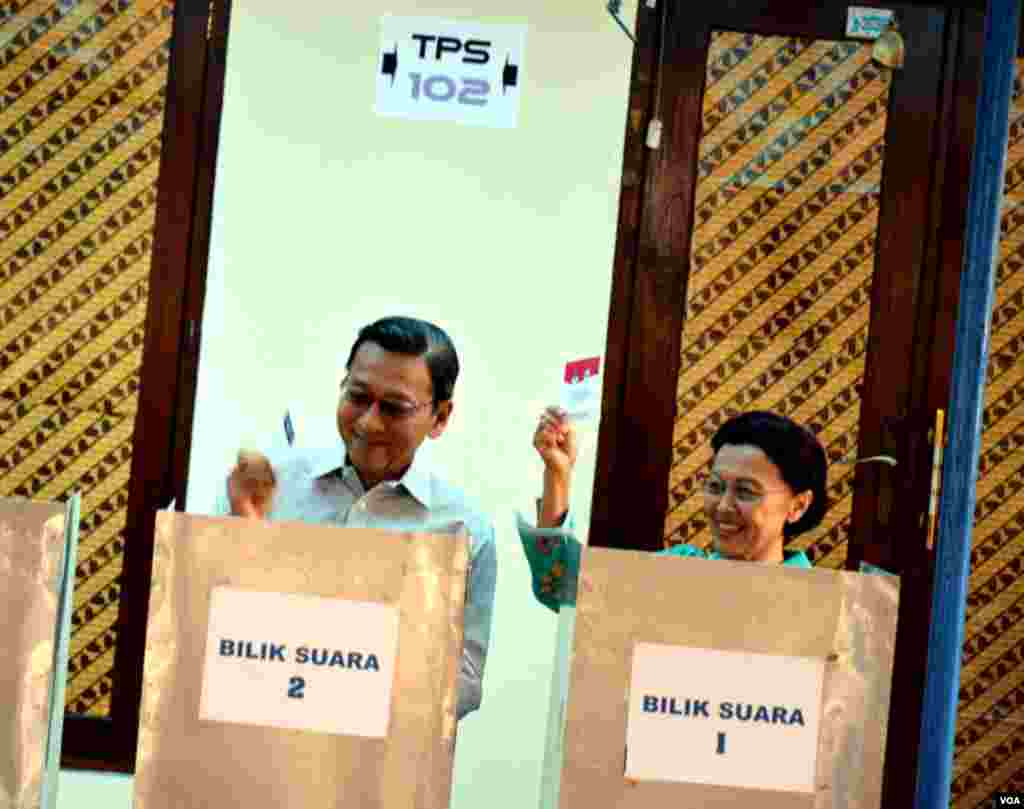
(416, 338)
(795, 451)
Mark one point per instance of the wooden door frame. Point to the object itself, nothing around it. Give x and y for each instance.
(929, 392)
(649, 280)
(162, 435)
(652, 258)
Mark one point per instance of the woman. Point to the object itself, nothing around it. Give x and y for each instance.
(766, 485)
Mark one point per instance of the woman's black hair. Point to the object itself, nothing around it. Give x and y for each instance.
(795, 451)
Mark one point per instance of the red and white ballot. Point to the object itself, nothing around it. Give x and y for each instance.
(581, 388)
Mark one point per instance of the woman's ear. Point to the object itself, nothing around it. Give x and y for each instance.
(798, 507)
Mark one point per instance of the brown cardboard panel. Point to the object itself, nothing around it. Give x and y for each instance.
(846, 619)
(185, 761)
(31, 569)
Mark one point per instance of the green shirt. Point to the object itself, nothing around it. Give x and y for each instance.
(554, 558)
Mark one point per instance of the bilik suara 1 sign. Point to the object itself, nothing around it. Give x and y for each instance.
(729, 718)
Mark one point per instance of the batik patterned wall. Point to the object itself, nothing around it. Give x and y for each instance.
(82, 86)
(783, 250)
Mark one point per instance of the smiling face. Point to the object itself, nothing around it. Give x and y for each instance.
(381, 445)
(748, 504)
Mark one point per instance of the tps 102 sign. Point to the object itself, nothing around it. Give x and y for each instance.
(444, 70)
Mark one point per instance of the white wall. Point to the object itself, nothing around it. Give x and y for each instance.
(90, 790)
(327, 217)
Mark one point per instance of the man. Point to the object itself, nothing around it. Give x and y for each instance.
(397, 392)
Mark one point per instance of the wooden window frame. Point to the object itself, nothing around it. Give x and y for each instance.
(163, 424)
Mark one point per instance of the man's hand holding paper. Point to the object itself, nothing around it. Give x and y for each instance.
(251, 485)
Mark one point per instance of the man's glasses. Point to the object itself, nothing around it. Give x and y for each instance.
(389, 409)
(742, 492)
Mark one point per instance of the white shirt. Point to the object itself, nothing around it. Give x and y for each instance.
(319, 486)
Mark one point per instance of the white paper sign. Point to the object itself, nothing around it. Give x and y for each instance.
(303, 662)
(728, 718)
(446, 70)
(867, 23)
(581, 388)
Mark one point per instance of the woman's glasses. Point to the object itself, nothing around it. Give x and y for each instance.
(743, 492)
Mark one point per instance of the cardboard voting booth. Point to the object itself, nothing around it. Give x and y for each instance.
(299, 665)
(38, 543)
(722, 684)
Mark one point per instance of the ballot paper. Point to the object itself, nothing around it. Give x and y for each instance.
(581, 389)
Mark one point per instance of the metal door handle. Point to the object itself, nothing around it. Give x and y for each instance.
(938, 436)
(886, 459)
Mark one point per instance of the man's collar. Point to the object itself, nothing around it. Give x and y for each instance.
(327, 460)
(416, 480)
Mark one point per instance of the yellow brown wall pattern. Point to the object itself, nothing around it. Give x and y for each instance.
(782, 258)
(82, 88)
(990, 731)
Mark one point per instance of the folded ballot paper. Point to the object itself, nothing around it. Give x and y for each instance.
(581, 389)
(38, 543)
(290, 664)
(724, 684)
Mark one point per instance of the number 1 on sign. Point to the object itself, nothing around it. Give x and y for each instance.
(721, 744)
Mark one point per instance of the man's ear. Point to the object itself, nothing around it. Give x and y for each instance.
(441, 416)
(799, 506)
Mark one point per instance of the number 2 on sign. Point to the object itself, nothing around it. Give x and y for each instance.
(442, 88)
(296, 688)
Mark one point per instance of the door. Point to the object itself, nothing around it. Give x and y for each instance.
(790, 247)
